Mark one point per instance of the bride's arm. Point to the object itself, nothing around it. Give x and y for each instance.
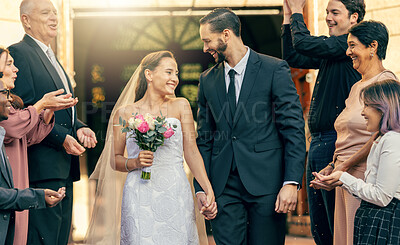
(144, 159)
(191, 152)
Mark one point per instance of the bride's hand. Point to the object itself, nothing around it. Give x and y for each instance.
(207, 205)
(144, 159)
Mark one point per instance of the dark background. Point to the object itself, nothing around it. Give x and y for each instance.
(108, 50)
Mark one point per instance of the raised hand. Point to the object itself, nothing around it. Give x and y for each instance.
(286, 13)
(72, 146)
(296, 6)
(287, 199)
(52, 198)
(87, 137)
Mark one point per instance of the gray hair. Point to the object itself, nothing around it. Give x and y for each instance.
(26, 7)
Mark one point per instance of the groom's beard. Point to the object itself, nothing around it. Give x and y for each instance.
(221, 48)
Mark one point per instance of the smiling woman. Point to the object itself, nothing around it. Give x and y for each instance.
(367, 44)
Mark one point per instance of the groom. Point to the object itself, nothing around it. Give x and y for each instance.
(250, 135)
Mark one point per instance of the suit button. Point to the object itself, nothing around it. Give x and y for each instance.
(5, 216)
(234, 138)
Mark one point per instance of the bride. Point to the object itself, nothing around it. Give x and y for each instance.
(159, 210)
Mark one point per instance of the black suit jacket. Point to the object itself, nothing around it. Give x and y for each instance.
(12, 199)
(36, 77)
(266, 136)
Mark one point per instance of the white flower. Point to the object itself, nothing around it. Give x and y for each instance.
(137, 122)
(150, 121)
(131, 122)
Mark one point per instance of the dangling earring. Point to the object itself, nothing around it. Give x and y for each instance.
(371, 54)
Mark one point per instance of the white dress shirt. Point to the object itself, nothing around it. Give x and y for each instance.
(240, 69)
(382, 181)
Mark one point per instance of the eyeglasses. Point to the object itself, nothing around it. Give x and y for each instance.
(6, 92)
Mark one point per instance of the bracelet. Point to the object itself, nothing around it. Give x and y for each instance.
(126, 165)
(332, 165)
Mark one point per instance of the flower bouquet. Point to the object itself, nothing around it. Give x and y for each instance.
(149, 132)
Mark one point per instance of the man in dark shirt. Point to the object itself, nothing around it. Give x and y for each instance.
(335, 78)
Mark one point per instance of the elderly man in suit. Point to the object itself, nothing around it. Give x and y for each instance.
(55, 161)
(12, 199)
(250, 134)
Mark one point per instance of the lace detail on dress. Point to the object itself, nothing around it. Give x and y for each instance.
(160, 210)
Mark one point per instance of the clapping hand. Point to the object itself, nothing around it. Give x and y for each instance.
(87, 137)
(52, 198)
(72, 146)
(57, 101)
(207, 205)
(325, 171)
(328, 182)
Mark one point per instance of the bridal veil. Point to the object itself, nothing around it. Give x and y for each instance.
(105, 222)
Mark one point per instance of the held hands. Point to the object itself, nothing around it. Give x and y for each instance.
(87, 137)
(207, 205)
(287, 199)
(52, 198)
(57, 101)
(72, 146)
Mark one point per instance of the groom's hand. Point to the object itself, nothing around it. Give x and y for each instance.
(287, 199)
(209, 211)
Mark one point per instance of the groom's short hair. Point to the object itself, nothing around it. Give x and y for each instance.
(221, 19)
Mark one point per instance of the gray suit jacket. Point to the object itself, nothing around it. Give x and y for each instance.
(12, 199)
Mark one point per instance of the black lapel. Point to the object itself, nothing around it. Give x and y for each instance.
(250, 75)
(221, 92)
(6, 169)
(49, 67)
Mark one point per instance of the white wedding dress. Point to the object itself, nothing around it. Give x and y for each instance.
(160, 210)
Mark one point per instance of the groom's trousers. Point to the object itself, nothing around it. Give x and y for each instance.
(246, 219)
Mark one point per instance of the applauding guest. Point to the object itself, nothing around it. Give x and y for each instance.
(40, 73)
(367, 43)
(12, 199)
(25, 127)
(376, 220)
(335, 78)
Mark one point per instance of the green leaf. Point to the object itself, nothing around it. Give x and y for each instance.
(125, 130)
(162, 130)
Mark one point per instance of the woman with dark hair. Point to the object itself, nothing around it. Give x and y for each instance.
(367, 44)
(25, 127)
(159, 210)
(377, 220)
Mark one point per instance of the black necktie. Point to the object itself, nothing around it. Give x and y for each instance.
(231, 92)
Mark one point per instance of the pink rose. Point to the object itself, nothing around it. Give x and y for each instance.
(168, 133)
(143, 127)
(140, 116)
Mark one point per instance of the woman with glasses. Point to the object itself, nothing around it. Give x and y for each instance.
(25, 127)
